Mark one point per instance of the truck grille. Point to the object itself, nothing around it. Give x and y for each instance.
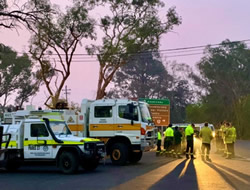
(89, 146)
(149, 133)
(99, 147)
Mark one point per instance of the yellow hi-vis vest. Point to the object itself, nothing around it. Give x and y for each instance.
(159, 135)
(169, 132)
(206, 135)
(234, 133)
(189, 131)
(223, 131)
(229, 135)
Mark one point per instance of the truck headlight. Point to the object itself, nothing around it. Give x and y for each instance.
(213, 133)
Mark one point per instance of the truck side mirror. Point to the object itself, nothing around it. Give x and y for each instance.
(131, 108)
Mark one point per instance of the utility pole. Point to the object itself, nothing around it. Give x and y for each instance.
(66, 92)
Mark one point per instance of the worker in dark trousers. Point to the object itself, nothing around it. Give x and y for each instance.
(158, 151)
(189, 133)
(177, 143)
(169, 138)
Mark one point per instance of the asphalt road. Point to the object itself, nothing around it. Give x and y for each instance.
(243, 148)
(150, 173)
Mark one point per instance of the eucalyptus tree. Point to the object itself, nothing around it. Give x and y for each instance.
(14, 14)
(54, 42)
(16, 76)
(144, 76)
(225, 76)
(131, 27)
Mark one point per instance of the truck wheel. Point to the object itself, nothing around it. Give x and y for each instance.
(12, 165)
(119, 154)
(135, 157)
(90, 165)
(68, 163)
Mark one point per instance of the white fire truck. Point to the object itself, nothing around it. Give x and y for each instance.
(125, 126)
(45, 140)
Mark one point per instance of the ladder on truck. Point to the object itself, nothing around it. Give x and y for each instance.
(5, 141)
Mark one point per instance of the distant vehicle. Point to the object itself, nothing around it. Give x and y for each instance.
(199, 126)
(180, 125)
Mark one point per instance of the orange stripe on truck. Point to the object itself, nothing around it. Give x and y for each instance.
(117, 127)
(149, 127)
(75, 127)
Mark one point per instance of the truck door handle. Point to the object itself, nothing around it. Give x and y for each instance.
(26, 139)
(120, 126)
(95, 126)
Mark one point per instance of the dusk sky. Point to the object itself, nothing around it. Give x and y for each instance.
(203, 22)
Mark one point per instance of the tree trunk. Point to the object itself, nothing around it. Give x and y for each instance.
(99, 93)
(104, 82)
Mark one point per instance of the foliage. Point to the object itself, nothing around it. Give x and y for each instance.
(13, 15)
(200, 113)
(132, 27)
(54, 43)
(16, 76)
(143, 76)
(226, 69)
(180, 96)
(25, 91)
(146, 77)
(242, 120)
(75, 106)
(225, 77)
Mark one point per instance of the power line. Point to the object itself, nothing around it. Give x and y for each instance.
(181, 55)
(146, 56)
(172, 49)
(203, 46)
(197, 52)
(164, 52)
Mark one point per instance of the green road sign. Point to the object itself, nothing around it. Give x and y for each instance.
(155, 101)
(160, 110)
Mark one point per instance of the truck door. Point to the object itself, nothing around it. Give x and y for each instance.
(127, 120)
(101, 121)
(36, 141)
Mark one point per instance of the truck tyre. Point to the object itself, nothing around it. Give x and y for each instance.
(90, 165)
(68, 163)
(12, 165)
(119, 154)
(135, 157)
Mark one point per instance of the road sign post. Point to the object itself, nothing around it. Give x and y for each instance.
(160, 110)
